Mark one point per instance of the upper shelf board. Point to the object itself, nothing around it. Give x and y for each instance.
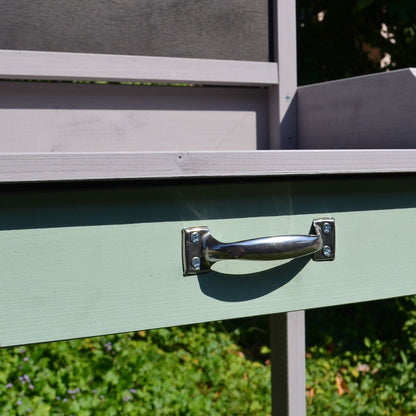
(39, 167)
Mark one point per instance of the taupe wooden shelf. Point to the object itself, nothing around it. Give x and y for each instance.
(35, 167)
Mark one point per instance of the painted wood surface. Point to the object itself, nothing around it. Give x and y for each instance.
(90, 260)
(282, 98)
(35, 167)
(21, 64)
(370, 112)
(66, 117)
(287, 340)
(288, 352)
(232, 29)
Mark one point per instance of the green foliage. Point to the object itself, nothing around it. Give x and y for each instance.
(343, 38)
(195, 370)
(360, 361)
(366, 369)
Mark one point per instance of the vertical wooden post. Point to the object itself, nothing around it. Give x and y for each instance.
(288, 364)
(282, 98)
(287, 329)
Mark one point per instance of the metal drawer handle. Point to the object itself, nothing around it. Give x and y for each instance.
(200, 250)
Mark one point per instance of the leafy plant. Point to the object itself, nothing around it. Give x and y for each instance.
(191, 370)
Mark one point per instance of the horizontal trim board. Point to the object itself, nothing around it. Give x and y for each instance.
(217, 29)
(121, 68)
(78, 117)
(104, 258)
(34, 167)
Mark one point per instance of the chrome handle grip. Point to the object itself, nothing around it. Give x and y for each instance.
(266, 248)
(200, 250)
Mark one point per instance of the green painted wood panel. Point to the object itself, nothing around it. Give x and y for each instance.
(96, 258)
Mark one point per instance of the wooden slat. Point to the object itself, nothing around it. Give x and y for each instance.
(77, 117)
(33, 167)
(216, 29)
(370, 112)
(106, 258)
(96, 67)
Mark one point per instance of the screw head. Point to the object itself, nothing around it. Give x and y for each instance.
(327, 251)
(196, 263)
(195, 238)
(326, 228)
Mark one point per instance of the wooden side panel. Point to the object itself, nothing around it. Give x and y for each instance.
(94, 260)
(61, 117)
(217, 29)
(369, 112)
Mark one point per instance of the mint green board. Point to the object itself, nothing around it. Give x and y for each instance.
(96, 258)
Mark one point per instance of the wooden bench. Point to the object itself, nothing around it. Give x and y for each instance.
(99, 179)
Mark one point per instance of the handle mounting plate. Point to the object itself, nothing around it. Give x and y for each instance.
(326, 226)
(192, 248)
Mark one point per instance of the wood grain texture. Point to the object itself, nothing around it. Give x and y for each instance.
(374, 111)
(34, 167)
(217, 29)
(103, 259)
(20, 64)
(65, 117)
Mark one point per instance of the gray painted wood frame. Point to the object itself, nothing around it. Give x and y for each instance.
(120, 68)
(215, 29)
(288, 329)
(369, 112)
(282, 98)
(44, 167)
